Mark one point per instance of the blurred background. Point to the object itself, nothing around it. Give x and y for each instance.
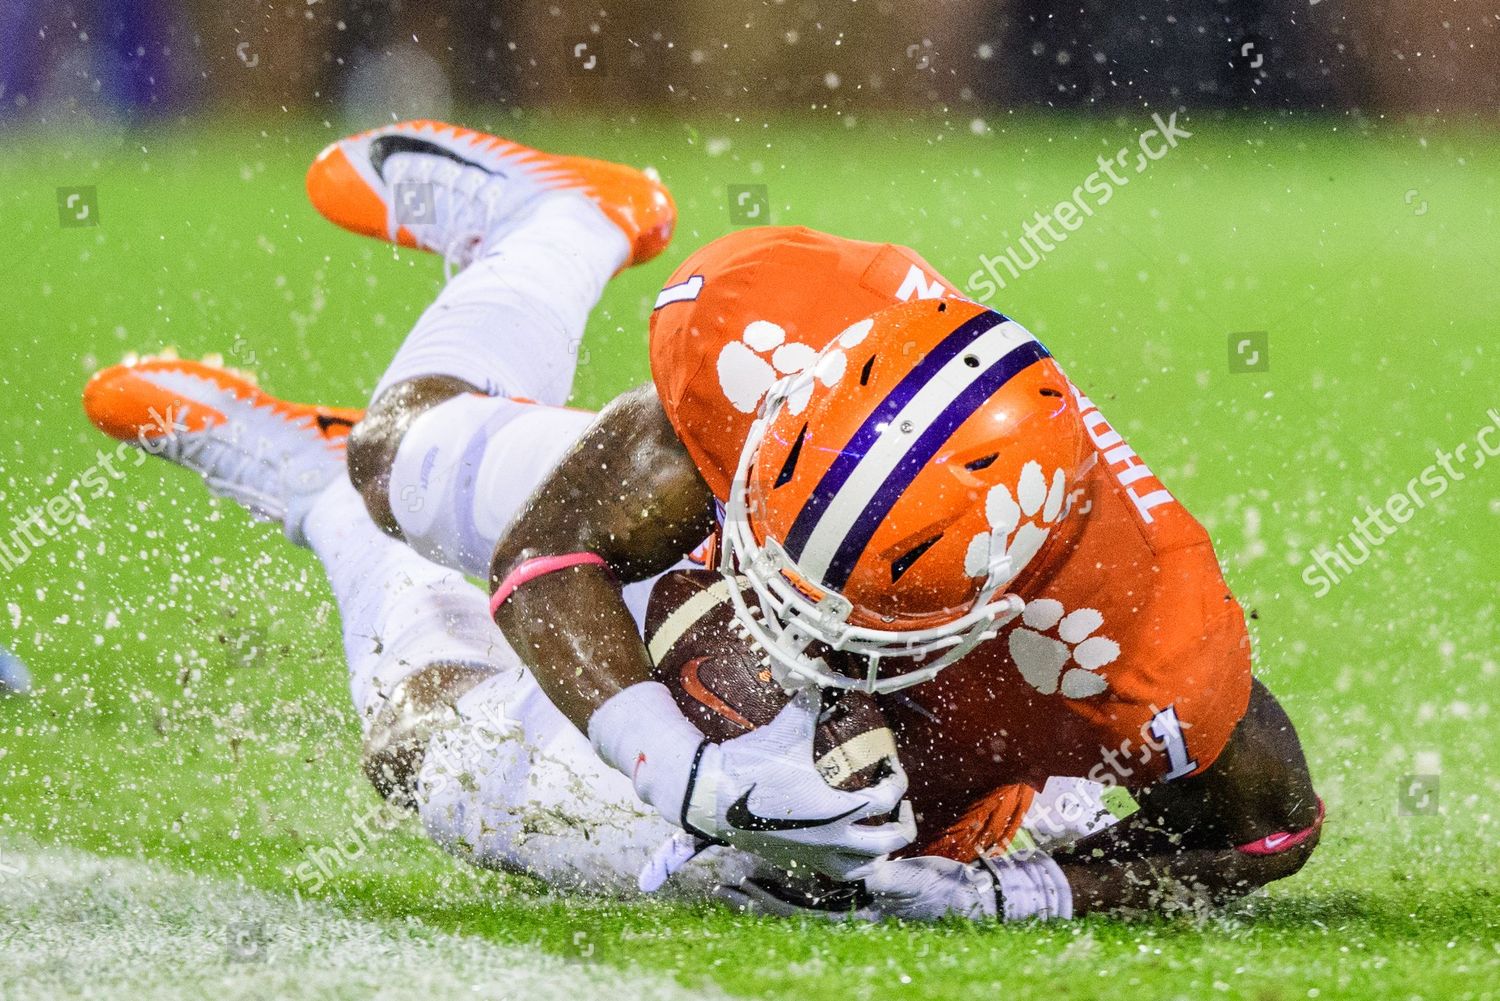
(354, 60)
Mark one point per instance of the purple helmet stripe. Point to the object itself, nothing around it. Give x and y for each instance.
(853, 452)
(921, 452)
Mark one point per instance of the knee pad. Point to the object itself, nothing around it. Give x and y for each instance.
(465, 469)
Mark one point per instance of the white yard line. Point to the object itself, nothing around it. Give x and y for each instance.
(74, 925)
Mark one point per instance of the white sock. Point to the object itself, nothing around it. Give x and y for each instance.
(400, 612)
(511, 323)
(465, 469)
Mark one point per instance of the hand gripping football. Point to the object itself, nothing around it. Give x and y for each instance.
(721, 678)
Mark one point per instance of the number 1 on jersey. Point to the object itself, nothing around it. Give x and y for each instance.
(1167, 728)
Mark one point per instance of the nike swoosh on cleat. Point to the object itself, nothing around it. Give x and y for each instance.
(326, 421)
(1274, 841)
(383, 148)
(740, 816)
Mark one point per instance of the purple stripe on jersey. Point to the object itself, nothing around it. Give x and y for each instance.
(853, 453)
(921, 452)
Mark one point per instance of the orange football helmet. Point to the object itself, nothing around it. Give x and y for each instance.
(889, 493)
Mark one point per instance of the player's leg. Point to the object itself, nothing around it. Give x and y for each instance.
(427, 667)
(453, 725)
(445, 455)
(457, 729)
(440, 460)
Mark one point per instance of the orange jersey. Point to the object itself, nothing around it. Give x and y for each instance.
(1131, 662)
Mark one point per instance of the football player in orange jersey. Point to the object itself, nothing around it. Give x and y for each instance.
(1027, 597)
(925, 507)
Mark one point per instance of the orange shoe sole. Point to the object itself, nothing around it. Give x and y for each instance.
(127, 406)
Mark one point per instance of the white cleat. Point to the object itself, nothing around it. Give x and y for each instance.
(271, 456)
(452, 190)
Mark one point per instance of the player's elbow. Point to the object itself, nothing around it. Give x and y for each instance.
(1256, 871)
(1291, 861)
(541, 534)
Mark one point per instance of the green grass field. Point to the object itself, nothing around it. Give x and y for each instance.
(191, 710)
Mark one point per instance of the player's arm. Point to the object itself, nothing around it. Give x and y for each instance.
(1249, 819)
(630, 495)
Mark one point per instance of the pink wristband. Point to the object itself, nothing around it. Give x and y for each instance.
(540, 566)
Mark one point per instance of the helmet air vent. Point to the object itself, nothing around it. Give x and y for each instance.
(902, 564)
(790, 465)
(982, 463)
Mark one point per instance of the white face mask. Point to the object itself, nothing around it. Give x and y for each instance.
(787, 622)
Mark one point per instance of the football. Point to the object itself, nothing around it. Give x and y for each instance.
(721, 678)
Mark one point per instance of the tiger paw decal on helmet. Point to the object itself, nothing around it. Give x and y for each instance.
(1060, 653)
(1010, 544)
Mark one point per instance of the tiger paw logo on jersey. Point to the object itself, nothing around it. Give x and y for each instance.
(1038, 503)
(1061, 653)
(750, 366)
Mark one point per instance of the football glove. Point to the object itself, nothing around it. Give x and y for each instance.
(926, 888)
(914, 889)
(759, 792)
(1016, 887)
(780, 893)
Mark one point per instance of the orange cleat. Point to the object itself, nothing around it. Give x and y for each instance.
(444, 188)
(270, 455)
